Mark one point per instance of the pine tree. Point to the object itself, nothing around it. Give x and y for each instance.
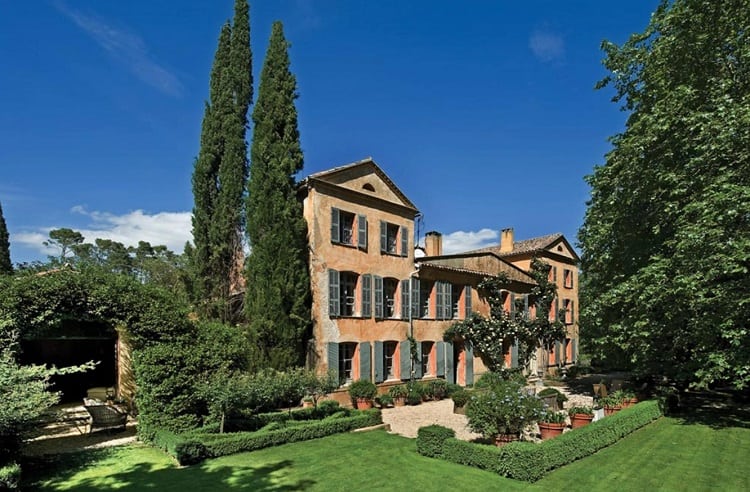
(277, 303)
(221, 169)
(5, 265)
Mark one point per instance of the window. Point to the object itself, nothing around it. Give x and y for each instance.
(568, 278)
(553, 274)
(348, 229)
(346, 357)
(389, 359)
(425, 295)
(456, 301)
(342, 293)
(394, 239)
(443, 300)
(567, 311)
(427, 370)
(389, 297)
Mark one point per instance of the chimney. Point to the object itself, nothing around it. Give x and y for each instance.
(433, 242)
(506, 240)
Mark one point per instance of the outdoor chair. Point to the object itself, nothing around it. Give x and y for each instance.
(104, 416)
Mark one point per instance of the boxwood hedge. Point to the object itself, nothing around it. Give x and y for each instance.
(529, 461)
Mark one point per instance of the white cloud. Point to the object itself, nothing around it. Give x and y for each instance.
(127, 48)
(459, 241)
(171, 229)
(546, 45)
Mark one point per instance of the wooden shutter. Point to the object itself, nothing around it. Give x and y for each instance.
(333, 358)
(440, 358)
(378, 296)
(448, 305)
(366, 295)
(418, 363)
(379, 376)
(405, 356)
(557, 309)
(450, 374)
(469, 363)
(514, 354)
(334, 301)
(335, 230)
(365, 368)
(439, 299)
(405, 299)
(415, 298)
(404, 241)
(467, 301)
(383, 237)
(361, 232)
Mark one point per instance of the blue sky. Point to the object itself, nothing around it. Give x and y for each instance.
(482, 112)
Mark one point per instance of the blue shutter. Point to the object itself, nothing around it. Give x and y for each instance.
(404, 241)
(514, 354)
(415, 298)
(405, 356)
(383, 237)
(467, 300)
(378, 297)
(333, 358)
(450, 374)
(361, 232)
(366, 295)
(404, 299)
(334, 301)
(365, 368)
(439, 299)
(379, 377)
(448, 306)
(440, 362)
(469, 364)
(418, 363)
(335, 238)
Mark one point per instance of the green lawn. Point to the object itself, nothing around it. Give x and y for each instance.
(670, 454)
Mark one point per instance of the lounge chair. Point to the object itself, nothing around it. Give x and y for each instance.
(104, 416)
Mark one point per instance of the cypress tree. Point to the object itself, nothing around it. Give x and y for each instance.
(277, 302)
(5, 265)
(221, 170)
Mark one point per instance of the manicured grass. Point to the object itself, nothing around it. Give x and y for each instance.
(709, 452)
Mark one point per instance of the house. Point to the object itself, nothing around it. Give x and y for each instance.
(371, 295)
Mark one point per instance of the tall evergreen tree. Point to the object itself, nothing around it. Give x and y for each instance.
(277, 303)
(5, 265)
(666, 237)
(221, 169)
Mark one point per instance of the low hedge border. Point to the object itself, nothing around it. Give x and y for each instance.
(193, 447)
(530, 462)
(10, 476)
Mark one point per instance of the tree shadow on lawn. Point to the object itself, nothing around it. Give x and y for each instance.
(140, 476)
(714, 409)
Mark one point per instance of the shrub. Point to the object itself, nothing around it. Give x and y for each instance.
(10, 476)
(453, 387)
(398, 391)
(530, 462)
(438, 389)
(580, 410)
(546, 392)
(460, 397)
(430, 440)
(363, 389)
(505, 408)
(550, 417)
(414, 392)
(384, 400)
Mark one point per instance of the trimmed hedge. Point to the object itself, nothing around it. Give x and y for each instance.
(10, 476)
(194, 447)
(430, 440)
(530, 462)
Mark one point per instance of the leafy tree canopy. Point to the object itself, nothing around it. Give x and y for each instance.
(666, 236)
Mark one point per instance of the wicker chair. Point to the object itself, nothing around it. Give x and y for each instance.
(106, 417)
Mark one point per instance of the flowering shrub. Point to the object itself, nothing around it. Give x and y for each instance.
(504, 408)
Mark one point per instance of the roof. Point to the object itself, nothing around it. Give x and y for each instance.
(458, 263)
(525, 246)
(366, 162)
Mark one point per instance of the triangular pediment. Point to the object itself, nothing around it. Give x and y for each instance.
(364, 177)
(562, 247)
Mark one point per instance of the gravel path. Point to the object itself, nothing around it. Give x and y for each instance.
(407, 420)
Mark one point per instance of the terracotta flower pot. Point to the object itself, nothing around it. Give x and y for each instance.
(307, 404)
(612, 410)
(629, 402)
(364, 403)
(580, 419)
(503, 439)
(548, 430)
(459, 410)
(399, 401)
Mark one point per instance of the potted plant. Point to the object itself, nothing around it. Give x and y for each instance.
(551, 424)
(438, 388)
(580, 416)
(628, 398)
(414, 393)
(362, 392)
(612, 404)
(501, 411)
(460, 398)
(384, 400)
(398, 393)
(553, 398)
(307, 402)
